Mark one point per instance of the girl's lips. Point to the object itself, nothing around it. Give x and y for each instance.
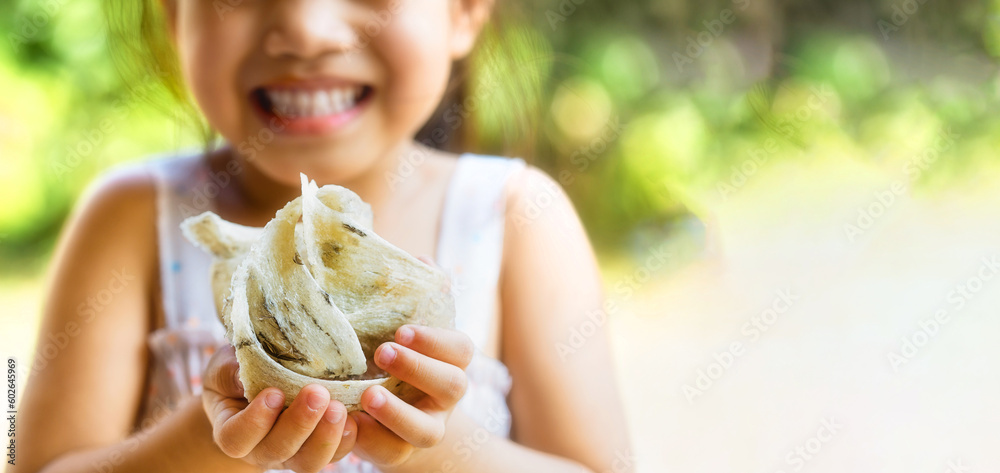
(308, 112)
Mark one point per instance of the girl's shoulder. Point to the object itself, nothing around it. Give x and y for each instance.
(146, 173)
(472, 170)
(520, 191)
(530, 192)
(121, 203)
(127, 189)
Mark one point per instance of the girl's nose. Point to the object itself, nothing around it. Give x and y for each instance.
(309, 28)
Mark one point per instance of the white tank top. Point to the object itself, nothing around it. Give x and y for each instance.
(469, 248)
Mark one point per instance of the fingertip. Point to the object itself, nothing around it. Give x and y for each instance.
(386, 355)
(405, 335)
(360, 418)
(348, 437)
(377, 401)
(314, 388)
(354, 416)
(374, 398)
(350, 426)
(335, 413)
(237, 382)
(273, 398)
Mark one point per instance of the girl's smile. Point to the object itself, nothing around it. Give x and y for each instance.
(312, 106)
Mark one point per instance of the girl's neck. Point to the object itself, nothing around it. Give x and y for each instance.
(255, 197)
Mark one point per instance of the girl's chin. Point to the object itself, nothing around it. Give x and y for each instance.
(325, 168)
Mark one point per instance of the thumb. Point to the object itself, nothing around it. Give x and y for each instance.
(222, 373)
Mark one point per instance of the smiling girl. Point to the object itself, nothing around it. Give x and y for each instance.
(302, 86)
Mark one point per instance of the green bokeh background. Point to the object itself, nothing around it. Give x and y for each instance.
(655, 116)
(640, 139)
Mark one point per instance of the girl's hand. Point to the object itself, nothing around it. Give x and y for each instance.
(430, 359)
(313, 432)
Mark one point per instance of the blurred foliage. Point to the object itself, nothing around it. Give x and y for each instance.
(644, 111)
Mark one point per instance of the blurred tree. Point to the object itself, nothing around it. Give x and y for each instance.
(642, 110)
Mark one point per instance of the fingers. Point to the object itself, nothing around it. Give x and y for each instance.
(294, 426)
(378, 444)
(313, 432)
(319, 449)
(222, 373)
(409, 423)
(443, 382)
(348, 439)
(238, 430)
(449, 346)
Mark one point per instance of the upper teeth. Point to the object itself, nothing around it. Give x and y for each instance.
(313, 103)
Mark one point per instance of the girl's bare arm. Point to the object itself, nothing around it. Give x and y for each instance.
(564, 399)
(85, 388)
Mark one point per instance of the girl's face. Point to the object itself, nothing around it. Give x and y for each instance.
(326, 87)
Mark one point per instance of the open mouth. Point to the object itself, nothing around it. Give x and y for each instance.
(310, 110)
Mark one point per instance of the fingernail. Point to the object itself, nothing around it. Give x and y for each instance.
(378, 400)
(274, 400)
(386, 355)
(405, 335)
(334, 416)
(315, 401)
(236, 378)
